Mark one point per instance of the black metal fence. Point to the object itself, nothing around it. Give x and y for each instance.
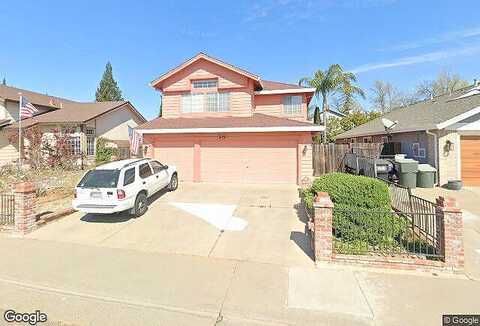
(358, 231)
(7, 209)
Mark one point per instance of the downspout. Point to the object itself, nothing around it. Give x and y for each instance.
(435, 151)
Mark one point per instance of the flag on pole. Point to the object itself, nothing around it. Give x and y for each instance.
(135, 140)
(27, 110)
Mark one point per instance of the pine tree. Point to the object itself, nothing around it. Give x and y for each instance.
(108, 89)
(160, 109)
(4, 81)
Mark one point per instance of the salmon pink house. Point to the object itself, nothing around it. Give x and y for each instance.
(221, 123)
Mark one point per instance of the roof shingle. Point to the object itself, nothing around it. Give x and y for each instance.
(423, 115)
(256, 120)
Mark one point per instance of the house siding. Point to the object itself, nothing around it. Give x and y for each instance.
(447, 159)
(114, 125)
(273, 105)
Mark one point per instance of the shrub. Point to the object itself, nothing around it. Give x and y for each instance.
(354, 191)
(103, 152)
(362, 216)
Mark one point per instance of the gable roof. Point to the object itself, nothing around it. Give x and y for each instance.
(262, 86)
(63, 110)
(425, 115)
(12, 94)
(204, 56)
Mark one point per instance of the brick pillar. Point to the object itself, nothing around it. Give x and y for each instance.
(25, 207)
(323, 219)
(450, 232)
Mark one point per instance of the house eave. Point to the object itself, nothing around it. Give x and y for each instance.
(286, 91)
(231, 130)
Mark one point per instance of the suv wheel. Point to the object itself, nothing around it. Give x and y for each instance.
(173, 185)
(141, 205)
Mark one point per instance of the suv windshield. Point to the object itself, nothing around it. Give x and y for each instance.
(100, 179)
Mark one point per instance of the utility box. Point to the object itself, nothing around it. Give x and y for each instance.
(407, 172)
(426, 176)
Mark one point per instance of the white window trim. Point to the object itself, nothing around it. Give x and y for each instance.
(203, 106)
(204, 82)
(293, 109)
(421, 152)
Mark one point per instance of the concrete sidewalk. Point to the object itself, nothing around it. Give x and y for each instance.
(90, 285)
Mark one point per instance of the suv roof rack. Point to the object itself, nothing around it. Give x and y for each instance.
(134, 162)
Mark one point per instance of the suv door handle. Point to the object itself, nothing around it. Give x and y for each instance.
(144, 182)
(157, 176)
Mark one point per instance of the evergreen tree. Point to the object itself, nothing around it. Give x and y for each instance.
(108, 89)
(160, 109)
(4, 81)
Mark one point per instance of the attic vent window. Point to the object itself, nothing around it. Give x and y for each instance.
(204, 83)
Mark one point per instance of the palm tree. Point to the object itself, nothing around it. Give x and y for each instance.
(334, 80)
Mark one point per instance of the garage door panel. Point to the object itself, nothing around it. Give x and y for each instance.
(470, 160)
(178, 154)
(256, 162)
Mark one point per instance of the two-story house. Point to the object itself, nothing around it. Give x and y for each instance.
(85, 122)
(221, 123)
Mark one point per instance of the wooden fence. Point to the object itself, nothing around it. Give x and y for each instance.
(328, 158)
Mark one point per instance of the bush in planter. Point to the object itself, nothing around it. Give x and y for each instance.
(362, 214)
(353, 190)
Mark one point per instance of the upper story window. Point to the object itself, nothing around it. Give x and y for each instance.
(292, 104)
(204, 83)
(206, 102)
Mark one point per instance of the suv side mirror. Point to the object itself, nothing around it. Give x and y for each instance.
(165, 167)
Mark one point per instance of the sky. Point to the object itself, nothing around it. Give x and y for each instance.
(61, 47)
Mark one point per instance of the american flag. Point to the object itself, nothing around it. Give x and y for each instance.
(27, 110)
(135, 140)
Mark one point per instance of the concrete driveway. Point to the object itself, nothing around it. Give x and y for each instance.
(273, 225)
(468, 199)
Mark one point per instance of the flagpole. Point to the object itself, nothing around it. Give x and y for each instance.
(20, 132)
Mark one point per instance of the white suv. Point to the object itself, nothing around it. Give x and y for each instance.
(123, 185)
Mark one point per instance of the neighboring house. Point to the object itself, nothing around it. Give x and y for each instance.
(221, 123)
(330, 114)
(89, 120)
(443, 131)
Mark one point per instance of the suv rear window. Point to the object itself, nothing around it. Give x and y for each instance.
(129, 176)
(100, 179)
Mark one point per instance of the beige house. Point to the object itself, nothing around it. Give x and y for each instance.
(443, 132)
(88, 121)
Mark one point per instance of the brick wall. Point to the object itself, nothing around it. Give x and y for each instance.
(449, 240)
(450, 227)
(25, 207)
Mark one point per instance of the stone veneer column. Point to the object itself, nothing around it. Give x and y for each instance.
(450, 232)
(323, 220)
(25, 207)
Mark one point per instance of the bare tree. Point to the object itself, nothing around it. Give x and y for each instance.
(386, 96)
(445, 83)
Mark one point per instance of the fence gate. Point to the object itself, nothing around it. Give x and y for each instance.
(7, 209)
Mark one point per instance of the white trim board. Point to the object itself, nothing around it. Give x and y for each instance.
(459, 118)
(286, 91)
(237, 129)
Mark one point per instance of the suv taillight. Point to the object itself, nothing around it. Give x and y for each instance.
(120, 194)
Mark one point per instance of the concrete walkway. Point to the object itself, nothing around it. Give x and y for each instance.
(92, 285)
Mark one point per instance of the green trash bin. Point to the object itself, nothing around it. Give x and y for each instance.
(426, 176)
(407, 170)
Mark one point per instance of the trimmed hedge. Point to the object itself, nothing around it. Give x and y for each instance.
(353, 190)
(362, 216)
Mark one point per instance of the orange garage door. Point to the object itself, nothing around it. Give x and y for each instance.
(179, 154)
(243, 162)
(470, 157)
